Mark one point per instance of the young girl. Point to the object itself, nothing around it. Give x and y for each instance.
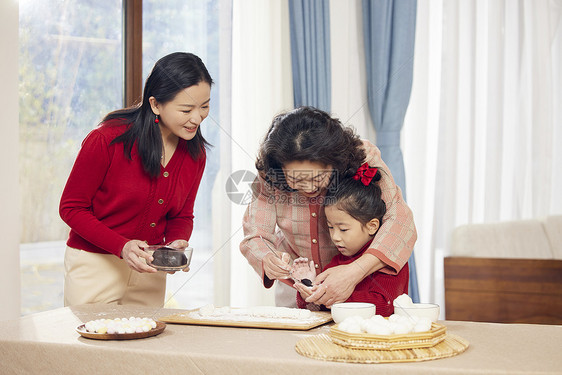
(304, 152)
(354, 213)
(133, 184)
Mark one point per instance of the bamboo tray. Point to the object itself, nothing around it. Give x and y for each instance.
(322, 347)
(318, 318)
(427, 339)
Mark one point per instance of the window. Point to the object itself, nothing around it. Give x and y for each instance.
(190, 26)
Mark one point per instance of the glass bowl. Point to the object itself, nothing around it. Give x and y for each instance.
(427, 310)
(166, 258)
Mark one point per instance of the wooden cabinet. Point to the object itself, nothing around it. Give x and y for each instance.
(503, 290)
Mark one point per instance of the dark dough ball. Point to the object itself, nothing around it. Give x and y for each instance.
(164, 257)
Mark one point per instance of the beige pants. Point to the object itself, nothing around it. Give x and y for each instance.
(105, 278)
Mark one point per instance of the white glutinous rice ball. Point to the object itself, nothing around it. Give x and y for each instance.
(351, 324)
(403, 300)
(365, 323)
(379, 319)
(423, 324)
(378, 329)
(89, 327)
(401, 328)
(393, 318)
(406, 321)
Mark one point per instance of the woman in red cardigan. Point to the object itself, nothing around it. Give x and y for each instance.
(134, 184)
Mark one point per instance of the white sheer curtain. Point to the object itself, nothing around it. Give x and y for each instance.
(349, 79)
(261, 88)
(483, 132)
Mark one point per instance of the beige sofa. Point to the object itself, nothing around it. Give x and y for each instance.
(506, 272)
(527, 239)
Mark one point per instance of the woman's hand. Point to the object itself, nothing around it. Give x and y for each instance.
(133, 253)
(275, 268)
(334, 285)
(178, 244)
(372, 152)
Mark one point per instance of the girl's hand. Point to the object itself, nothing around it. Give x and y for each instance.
(133, 253)
(372, 152)
(304, 290)
(275, 268)
(334, 285)
(303, 269)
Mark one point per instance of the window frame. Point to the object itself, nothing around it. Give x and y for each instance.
(132, 38)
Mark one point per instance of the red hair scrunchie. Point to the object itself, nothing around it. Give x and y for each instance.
(365, 174)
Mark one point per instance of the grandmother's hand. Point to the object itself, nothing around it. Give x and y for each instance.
(275, 268)
(372, 152)
(133, 253)
(334, 285)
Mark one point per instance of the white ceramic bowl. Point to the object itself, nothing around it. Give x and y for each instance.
(427, 310)
(343, 310)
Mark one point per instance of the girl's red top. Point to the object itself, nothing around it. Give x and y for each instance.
(378, 288)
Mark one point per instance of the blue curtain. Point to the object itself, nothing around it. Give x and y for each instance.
(310, 53)
(389, 31)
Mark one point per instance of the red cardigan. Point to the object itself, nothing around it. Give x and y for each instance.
(378, 288)
(109, 200)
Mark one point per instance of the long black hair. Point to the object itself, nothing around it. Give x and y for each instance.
(171, 74)
(307, 134)
(361, 202)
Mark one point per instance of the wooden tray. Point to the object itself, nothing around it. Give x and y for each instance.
(318, 318)
(323, 348)
(160, 326)
(427, 339)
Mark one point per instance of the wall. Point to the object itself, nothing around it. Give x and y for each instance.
(9, 192)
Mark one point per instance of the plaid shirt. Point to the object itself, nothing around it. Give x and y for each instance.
(297, 225)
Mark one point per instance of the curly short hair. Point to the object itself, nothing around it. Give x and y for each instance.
(308, 134)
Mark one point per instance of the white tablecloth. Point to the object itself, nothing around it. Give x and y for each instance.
(47, 343)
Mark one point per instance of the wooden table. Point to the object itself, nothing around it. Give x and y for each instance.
(47, 343)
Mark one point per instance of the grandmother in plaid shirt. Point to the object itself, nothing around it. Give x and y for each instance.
(301, 158)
